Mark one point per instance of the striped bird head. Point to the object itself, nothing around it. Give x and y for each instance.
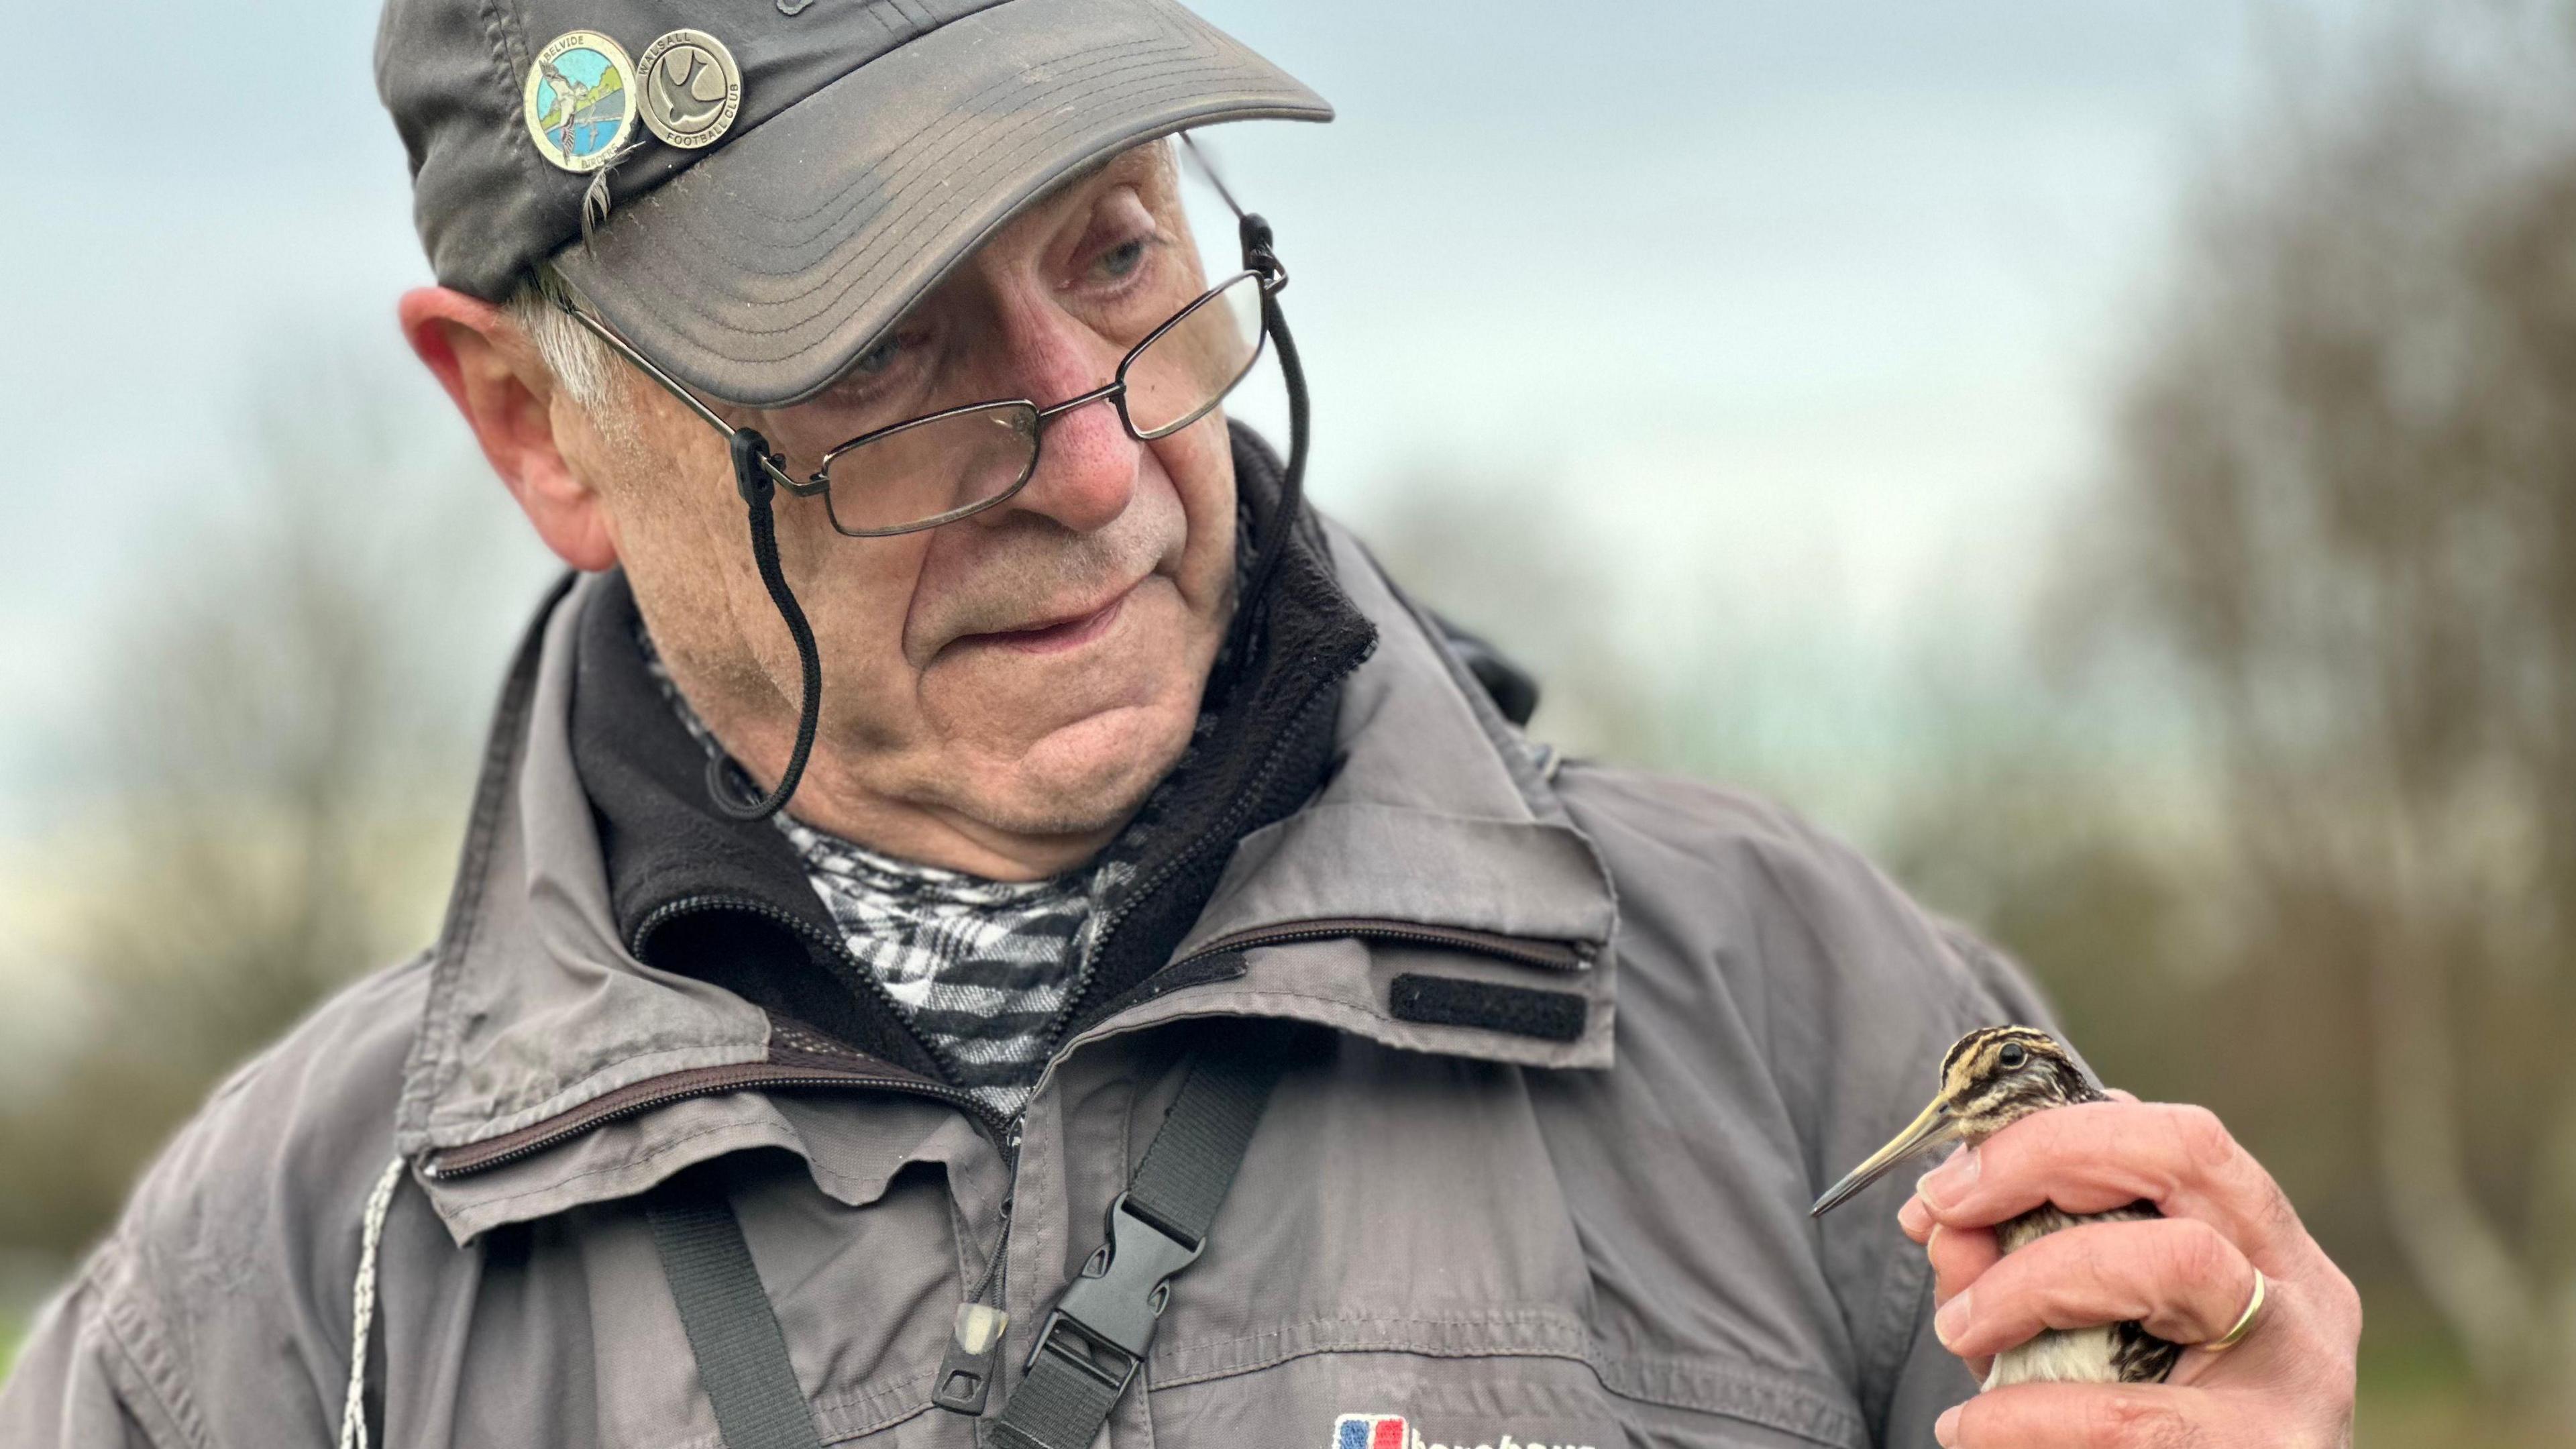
(1991, 1078)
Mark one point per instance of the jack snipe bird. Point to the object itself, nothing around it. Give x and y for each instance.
(1992, 1078)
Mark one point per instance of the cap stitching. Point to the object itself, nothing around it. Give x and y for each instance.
(901, 214)
(1081, 65)
(900, 204)
(874, 11)
(914, 222)
(907, 221)
(500, 31)
(828, 211)
(891, 243)
(725, 377)
(903, 221)
(1171, 63)
(739, 377)
(884, 254)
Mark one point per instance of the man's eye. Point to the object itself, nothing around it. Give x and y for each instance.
(880, 357)
(1123, 259)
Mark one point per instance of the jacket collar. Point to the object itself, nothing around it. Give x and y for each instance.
(1435, 848)
(692, 891)
(728, 901)
(1439, 814)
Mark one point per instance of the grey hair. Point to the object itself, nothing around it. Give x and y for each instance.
(582, 364)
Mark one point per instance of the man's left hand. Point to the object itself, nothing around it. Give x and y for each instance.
(2287, 1385)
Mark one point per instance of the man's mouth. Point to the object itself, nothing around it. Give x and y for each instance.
(1058, 635)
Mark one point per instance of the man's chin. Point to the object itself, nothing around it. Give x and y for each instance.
(1086, 777)
(1069, 742)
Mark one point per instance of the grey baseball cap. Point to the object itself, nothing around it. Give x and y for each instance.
(866, 147)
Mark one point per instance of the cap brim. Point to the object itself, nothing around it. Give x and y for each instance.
(761, 272)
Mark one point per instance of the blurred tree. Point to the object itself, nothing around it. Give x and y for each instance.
(273, 777)
(2345, 510)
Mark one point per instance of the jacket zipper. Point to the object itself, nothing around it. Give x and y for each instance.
(993, 1286)
(1553, 955)
(455, 1162)
(1004, 1133)
(866, 979)
(1224, 828)
(708, 1081)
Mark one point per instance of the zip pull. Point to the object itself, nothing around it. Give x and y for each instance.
(974, 1352)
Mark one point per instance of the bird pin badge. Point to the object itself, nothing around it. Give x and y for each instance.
(580, 100)
(692, 89)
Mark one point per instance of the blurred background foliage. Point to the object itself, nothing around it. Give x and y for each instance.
(2322, 594)
(279, 741)
(2336, 538)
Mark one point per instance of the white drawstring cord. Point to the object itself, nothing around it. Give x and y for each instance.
(362, 1307)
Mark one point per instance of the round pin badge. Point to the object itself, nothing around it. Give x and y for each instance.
(581, 100)
(691, 88)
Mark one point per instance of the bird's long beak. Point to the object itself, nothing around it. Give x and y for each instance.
(1933, 1129)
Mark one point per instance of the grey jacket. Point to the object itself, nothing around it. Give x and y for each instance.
(1582, 1225)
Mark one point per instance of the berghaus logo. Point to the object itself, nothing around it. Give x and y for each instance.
(1389, 1431)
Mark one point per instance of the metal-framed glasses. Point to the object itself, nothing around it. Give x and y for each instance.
(946, 465)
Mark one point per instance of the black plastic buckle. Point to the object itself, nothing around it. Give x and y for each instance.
(1107, 1314)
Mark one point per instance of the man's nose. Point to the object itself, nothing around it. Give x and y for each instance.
(1087, 462)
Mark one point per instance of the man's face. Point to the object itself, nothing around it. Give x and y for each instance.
(1030, 670)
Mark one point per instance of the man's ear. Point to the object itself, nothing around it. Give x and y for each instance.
(491, 372)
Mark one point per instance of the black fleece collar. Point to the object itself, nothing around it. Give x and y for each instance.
(728, 902)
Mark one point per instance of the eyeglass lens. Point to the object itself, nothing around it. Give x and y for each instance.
(946, 466)
(1173, 380)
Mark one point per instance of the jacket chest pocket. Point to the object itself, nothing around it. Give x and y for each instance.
(1398, 1267)
(1394, 1269)
(863, 1296)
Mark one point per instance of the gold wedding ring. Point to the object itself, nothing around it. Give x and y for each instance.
(2244, 1321)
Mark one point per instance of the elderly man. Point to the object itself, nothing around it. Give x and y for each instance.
(985, 921)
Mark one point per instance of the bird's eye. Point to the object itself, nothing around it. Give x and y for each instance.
(2012, 1057)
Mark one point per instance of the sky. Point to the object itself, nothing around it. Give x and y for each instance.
(1809, 311)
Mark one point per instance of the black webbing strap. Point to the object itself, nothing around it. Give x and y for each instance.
(742, 1356)
(1056, 1406)
(1192, 1160)
(1094, 1340)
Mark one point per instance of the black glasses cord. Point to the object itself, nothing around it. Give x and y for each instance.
(1273, 543)
(752, 479)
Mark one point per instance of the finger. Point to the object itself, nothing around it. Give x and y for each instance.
(1914, 1220)
(2178, 1276)
(2079, 1416)
(2120, 1094)
(1959, 1257)
(1914, 1216)
(2102, 1155)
